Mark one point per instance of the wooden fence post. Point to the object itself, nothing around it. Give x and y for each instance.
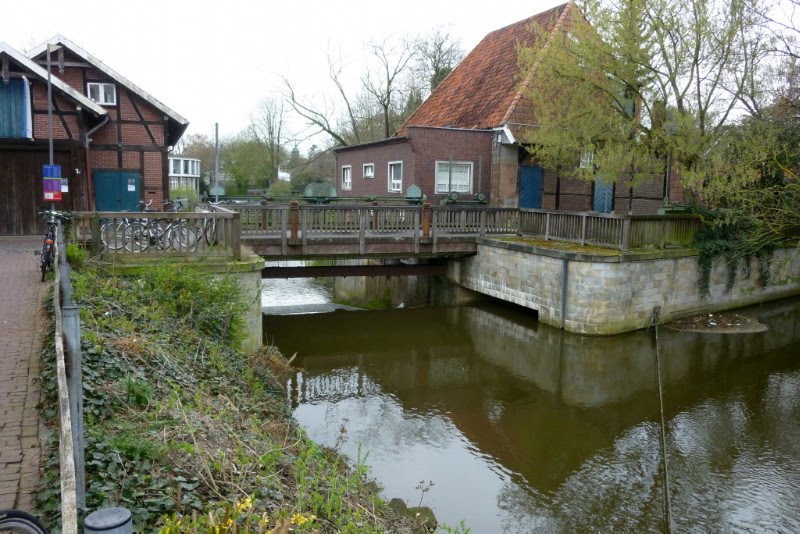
(547, 227)
(426, 219)
(236, 236)
(294, 218)
(482, 231)
(583, 228)
(626, 233)
(362, 230)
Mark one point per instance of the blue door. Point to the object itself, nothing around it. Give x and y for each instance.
(117, 190)
(603, 200)
(530, 187)
(15, 118)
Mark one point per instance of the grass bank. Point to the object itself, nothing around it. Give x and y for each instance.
(187, 431)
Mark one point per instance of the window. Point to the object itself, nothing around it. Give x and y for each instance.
(103, 93)
(176, 166)
(395, 176)
(186, 170)
(369, 170)
(173, 182)
(461, 180)
(587, 157)
(347, 178)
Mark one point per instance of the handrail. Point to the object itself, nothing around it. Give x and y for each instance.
(69, 499)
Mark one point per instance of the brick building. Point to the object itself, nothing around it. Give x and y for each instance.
(470, 136)
(111, 138)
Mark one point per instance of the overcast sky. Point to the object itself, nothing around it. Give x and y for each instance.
(214, 61)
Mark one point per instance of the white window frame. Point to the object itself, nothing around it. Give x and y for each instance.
(587, 158)
(395, 186)
(101, 91)
(347, 184)
(443, 191)
(364, 171)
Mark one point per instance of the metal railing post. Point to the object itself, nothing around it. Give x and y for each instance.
(547, 227)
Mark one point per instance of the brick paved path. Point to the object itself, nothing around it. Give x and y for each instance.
(21, 293)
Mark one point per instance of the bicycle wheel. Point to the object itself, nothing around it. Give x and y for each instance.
(210, 231)
(112, 234)
(136, 237)
(181, 237)
(47, 259)
(21, 522)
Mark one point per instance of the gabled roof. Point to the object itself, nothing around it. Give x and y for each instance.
(178, 123)
(59, 85)
(485, 89)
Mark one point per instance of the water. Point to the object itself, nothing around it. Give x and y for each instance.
(523, 428)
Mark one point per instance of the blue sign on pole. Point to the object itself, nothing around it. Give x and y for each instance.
(51, 171)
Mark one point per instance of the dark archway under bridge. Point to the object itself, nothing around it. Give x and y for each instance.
(344, 271)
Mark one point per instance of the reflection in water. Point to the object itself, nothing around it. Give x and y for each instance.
(522, 427)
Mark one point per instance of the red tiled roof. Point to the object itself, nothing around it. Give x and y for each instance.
(484, 89)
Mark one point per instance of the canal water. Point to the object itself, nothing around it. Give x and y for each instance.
(523, 428)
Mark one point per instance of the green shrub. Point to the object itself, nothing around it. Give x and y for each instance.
(76, 256)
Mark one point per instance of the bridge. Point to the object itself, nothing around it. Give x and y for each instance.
(297, 231)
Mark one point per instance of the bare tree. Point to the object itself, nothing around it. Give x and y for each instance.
(384, 87)
(266, 127)
(437, 55)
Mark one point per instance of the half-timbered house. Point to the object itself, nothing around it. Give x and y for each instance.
(111, 137)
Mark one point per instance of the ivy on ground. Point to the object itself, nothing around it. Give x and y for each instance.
(182, 427)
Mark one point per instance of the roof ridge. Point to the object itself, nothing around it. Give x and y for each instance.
(526, 82)
(98, 63)
(57, 82)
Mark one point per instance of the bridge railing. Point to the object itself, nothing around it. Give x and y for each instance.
(216, 233)
(296, 220)
(610, 230)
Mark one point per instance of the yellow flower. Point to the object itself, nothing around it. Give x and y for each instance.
(228, 523)
(264, 521)
(244, 505)
(301, 519)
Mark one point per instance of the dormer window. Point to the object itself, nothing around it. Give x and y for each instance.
(104, 94)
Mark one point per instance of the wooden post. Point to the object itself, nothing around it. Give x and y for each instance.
(482, 231)
(96, 242)
(426, 219)
(362, 230)
(304, 229)
(416, 230)
(583, 228)
(236, 236)
(264, 220)
(294, 218)
(284, 230)
(626, 233)
(547, 227)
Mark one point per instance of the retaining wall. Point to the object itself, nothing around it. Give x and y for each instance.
(610, 294)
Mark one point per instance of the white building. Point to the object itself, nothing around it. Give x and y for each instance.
(184, 173)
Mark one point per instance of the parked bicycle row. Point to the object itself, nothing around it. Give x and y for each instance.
(138, 234)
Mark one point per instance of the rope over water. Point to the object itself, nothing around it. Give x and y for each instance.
(667, 505)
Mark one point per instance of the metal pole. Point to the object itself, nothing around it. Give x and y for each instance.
(216, 162)
(667, 505)
(50, 117)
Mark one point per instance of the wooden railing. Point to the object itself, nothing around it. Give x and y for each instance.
(610, 230)
(215, 233)
(297, 220)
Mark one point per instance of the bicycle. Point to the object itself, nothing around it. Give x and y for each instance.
(175, 234)
(20, 522)
(48, 254)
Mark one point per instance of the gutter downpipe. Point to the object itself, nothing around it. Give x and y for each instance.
(86, 141)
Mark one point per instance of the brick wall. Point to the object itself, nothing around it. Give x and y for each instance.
(379, 155)
(439, 144)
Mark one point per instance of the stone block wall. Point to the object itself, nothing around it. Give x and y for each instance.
(614, 294)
